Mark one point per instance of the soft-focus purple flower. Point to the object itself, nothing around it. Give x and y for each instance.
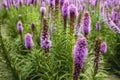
(20, 2)
(65, 12)
(20, 27)
(103, 47)
(86, 23)
(80, 53)
(115, 16)
(51, 3)
(33, 26)
(110, 23)
(28, 2)
(15, 3)
(98, 26)
(43, 10)
(34, 2)
(73, 10)
(45, 41)
(6, 4)
(61, 2)
(45, 37)
(65, 9)
(28, 41)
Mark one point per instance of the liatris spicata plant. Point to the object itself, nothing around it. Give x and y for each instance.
(98, 26)
(86, 23)
(28, 41)
(65, 12)
(20, 27)
(97, 47)
(80, 53)
(103, 48)
(45, 37)
(73, 15)
(42, 11)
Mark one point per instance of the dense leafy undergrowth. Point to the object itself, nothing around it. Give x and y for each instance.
(22, 64)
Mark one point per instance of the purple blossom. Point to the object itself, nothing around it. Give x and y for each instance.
(73, 10)
(98, 26)
(80, 53)
(28, 2)
(45, 37)
(51, 3)
(20, 2)
(86, 23)
(65, 12)
(115, 16)
(61, 2)
(28, 41)
(45, 41)
(20, 27)
(103, 48)
(6, 4)
(65, 9)
(43, 10)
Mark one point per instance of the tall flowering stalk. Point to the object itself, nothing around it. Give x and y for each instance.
(65, 12)
(73, 15)
(97, 49)
(80, 53)
(20, 29)
(45, 37)
(28, 41)
(86, 23)
(42, 11)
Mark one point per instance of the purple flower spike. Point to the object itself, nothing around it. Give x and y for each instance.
(45, 37)
(80, 53)
(43, 10)
(61, 2)
(115, 16)
(86, 23)
(103, 48)
(20, 2)
(73, 10)
(51, 3)
(28, 41)
(65, 12)
(20, 27)
(45, 41)
(98, 26)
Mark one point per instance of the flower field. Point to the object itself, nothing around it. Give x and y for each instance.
(59, 39)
